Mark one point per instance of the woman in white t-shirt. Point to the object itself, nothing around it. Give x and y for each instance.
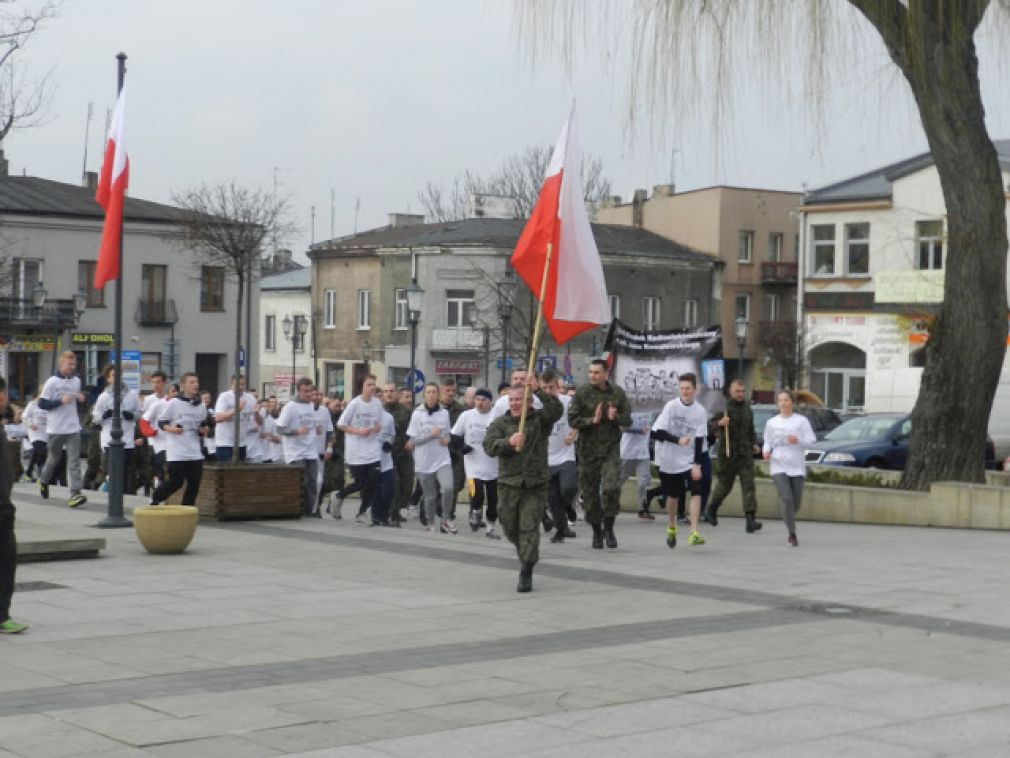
(785, 439)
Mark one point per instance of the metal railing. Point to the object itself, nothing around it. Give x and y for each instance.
(778, 272)
(156, 313)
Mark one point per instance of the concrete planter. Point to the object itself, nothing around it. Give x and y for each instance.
(165, 529)
(248, 490)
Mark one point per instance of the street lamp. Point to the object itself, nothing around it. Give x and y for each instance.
(740, 329)
(414, 296)
(506, 296)
(294, 330)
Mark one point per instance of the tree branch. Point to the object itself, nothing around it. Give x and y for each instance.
(890, 19)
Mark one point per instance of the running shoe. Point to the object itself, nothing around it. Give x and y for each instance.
(43, 490)
(76, 499)
(671, 537)
(10, 626)
(448, 527)
(695, 539)
(793, 541)
(474, 521)
(643, 515)
(683, 519)
(491, 534)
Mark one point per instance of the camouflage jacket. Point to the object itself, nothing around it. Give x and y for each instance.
(596, 441)
(526, 467)
(741, 430)
(401, 420)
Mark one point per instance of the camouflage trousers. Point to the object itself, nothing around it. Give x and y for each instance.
(521, 511)
(403, 470)
(729, 469)
(600, 486)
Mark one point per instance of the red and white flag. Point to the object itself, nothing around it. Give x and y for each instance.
(575, 299)
(111, 194)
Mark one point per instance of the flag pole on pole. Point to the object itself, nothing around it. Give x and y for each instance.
(117, 453)
(535, 346)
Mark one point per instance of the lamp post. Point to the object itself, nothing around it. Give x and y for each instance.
(414, 296)
(740, 329)
(294, 330)
(506, 296)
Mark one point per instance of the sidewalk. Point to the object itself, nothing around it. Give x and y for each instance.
(328, 638)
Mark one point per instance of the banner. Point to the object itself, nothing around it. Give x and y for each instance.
(647, 365)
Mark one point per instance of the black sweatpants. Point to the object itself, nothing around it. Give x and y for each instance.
(485, 490)
(8, 560)
(366, 481)
(179, 473)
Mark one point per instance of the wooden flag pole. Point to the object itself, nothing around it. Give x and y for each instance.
(536, 340)
(727, 437)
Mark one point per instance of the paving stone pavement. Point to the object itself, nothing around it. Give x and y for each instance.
(325, 638)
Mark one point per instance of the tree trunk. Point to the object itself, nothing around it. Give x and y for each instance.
(237, 418)
(933, 45)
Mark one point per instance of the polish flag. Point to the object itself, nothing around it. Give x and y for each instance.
(575, 299)
(111, 195)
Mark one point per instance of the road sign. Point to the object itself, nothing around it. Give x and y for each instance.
(508, 363)
(416, 380)
(546, 362)
(241, 357)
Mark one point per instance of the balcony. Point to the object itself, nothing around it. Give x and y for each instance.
(778, 272)
(156, 313)
(24, 313)
(460, 339)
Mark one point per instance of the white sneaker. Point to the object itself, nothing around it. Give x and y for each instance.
(448, 527)
(336, 503)
(491, 534)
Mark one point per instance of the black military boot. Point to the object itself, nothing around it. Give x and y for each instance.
(558, 537)
(709, 517)
(597, 536)
(753, 524)
(608, 530)
(525, 578)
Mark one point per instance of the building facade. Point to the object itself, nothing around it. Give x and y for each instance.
(753, 233)
(287, 331)
(178, 312)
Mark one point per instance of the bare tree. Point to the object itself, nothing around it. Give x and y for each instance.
(23, 97)
(519, 177)
(782, 342)
(687, 49)
(227, 225)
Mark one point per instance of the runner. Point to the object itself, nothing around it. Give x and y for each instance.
(428, 438)
(481, 469)
(785, 438)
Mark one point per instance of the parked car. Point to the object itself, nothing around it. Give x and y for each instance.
(822, 420)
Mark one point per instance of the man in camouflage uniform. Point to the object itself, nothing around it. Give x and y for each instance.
(738, 458)
(451, 404)
(403, 461)
(598, 411)
(523, 474)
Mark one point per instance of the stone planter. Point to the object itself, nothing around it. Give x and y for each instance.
(165, 529)
(248, 490)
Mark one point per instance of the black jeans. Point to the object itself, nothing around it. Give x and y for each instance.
(485, 489)
(179, 472)
(8, 560)
(38, 459)
(562, 490)
(366, 481)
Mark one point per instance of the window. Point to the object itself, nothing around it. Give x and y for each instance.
(460, 308)
(211, 288)
(690, 313)
(330, 308)
(742, 306)
(615, 306)
(27, 273)
(86, 283)
(857, 249)
(929, 241)
(650, 313)
(364, 309)
(745, 253)
(401, 313)
(153, 291)
(270, 332)
(774, 306)
(775, 242)
(824, 250)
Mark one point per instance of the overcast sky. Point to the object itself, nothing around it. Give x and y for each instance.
(372, 99)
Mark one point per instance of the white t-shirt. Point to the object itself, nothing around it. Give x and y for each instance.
(129, 404)
(358, 450)
(154, 406)
(62, 419)
(298, 447)
(680, 421)
(325, 420)
(386, 435)
(186, 446)
(635, 441)
(788, 459)
(272, 451)
(251, 436)
(33, 416)
(472, 426)
(501, 405)
(557, 451)
(224, 431)
(429, 455)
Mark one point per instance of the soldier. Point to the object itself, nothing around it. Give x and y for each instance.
(523, 473)
(403, 462)
(455, 408)
(8, 542)
(598, 411)
(737, 459)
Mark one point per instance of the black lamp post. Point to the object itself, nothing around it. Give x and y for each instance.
(506, 297)
(414, 296)
(294, 330)
(740, 329)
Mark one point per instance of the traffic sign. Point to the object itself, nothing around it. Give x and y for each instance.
(415, 380)
(508, 363)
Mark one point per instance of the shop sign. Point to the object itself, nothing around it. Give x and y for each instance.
(30, 343)
(457, 366)
(105, 339)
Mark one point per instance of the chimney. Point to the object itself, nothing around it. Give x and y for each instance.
(91, 180)
(664, 190)
(4, 164)
(282, 260)
(638, 208)
(397, 220)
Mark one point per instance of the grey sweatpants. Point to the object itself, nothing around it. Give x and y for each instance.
(435, 485)
(72, 443)
(790, 498)
(643, 477)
